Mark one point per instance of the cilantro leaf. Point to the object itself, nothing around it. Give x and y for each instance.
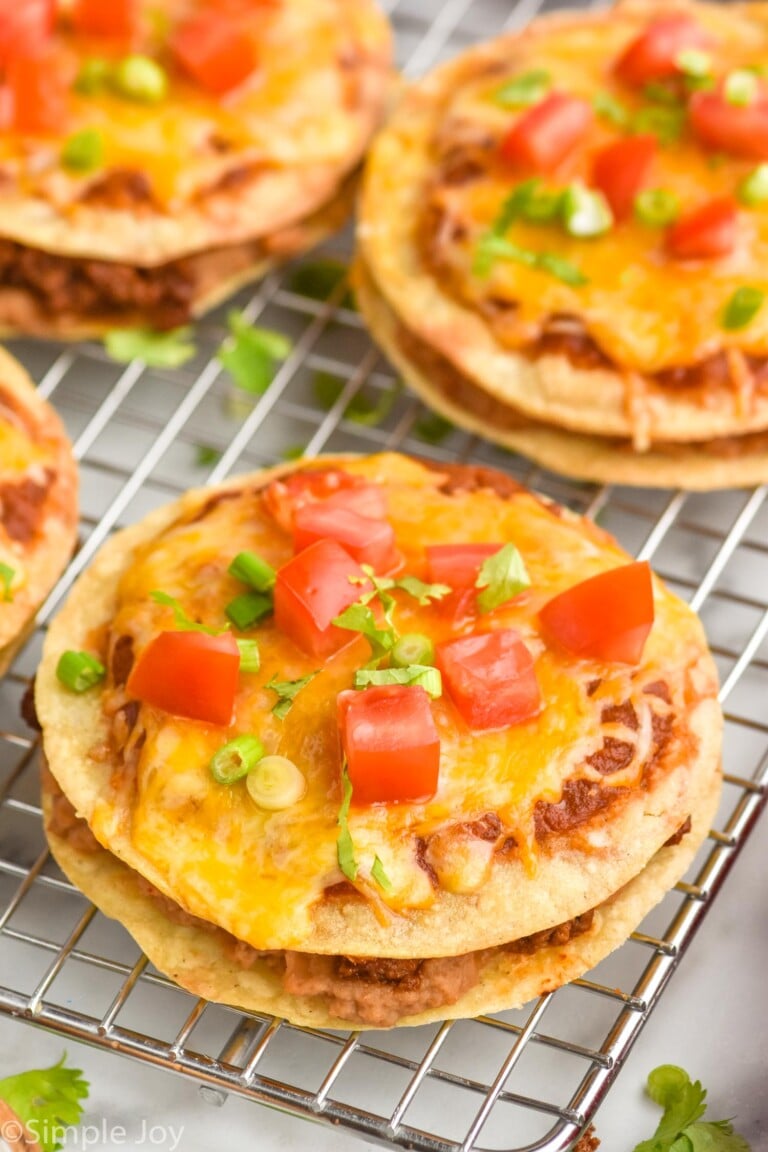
(287, 691)
(611, 109)
(345, 848)
(363, 408)
(183, 622)
(680, 1129)
(423, 675)
(155, 349)
(206, 454)
(422, 593)
(432, 428)
(359, 618)
(250, 354)
(523, 90)
(501, 577)
(46, 1100)
(380, 876)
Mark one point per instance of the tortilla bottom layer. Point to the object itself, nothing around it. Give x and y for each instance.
(733, 461)
(328, 991)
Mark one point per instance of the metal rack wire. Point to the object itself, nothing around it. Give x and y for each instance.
(527, 1080)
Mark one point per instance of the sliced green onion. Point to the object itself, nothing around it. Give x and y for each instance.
(249, 609)
(6, 577)
(694, 62)
(524, 90)
(380, 876)
(609, 108)
(236, 759)
(656, 207)
(491, 248)
(83, 151)
(417, 675)
(413, 648)
(501, 577)
(742, 307)
(345, 848)
(585, 213)
(250, 661)
(140, 78)
(543, 207)
(253, 571)
(754, 188)
(275, 783)
(741, 87)
(79, 671)
(93, 76)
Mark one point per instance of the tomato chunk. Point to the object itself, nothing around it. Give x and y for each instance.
(283, 497)
(217, 52)
(622, 169)
(543, 137)
(739, 129)
(37, 93)
(457, 565)
(368, 541)
(117, 18)
(706, 233)
(391, 743)
(313, 588)
(188, 674)
(607, 617)
(24, 28)
(654, 53)
(490, 678)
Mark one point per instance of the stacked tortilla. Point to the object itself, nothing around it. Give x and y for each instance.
(38, 504)
(158, 187)
(599, 347)
(544, 845)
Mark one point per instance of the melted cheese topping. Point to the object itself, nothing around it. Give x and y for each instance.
(294, 109)
(669, 311)
(260, 872)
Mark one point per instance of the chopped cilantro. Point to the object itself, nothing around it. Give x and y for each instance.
(524, 90)
(83, 151)
(365, 407)
(206, 454)
(319, 279)
(421, 675)
(609, 108)
(183, 622)
(741, 308)
(345, 849)
(681, 1128)
(421, 592)
(155, 349)
(293, 452)
(501, 577)
(664, 117)
(666, 122)
(250, 354)
(46, 1100)
(491, 247)
(287, 691)
(360, 618)
(6, 578)
(380, 876)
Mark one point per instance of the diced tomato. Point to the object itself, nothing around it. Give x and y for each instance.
(24, 27)
(739, 129)
(457, 565)
(114, 18)
(545, 135)
(37, 93)
(368, 541)
(607, 617)
(653, 55)
(283, 497)
(622, 169)
(217, 52)
(313, 588)
(490, 678)
(391, 743)
(706, 233)
(188, 674)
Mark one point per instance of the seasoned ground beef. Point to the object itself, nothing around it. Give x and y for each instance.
(21, 506)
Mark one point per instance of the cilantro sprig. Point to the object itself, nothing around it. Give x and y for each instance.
(251, 354)
(46, 1100)
(681, 1128)
(501, 577)
(155, 349)
(287, 691)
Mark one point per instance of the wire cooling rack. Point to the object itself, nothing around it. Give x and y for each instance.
(525, 1080)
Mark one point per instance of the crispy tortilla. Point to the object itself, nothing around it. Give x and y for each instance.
(515, 897)
(737, 462)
